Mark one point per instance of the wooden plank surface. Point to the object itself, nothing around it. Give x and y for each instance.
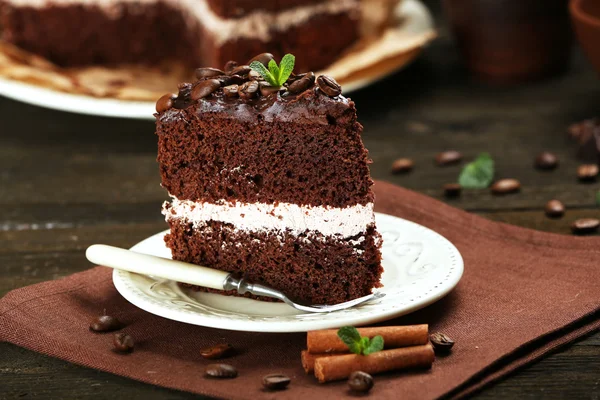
(71, 180)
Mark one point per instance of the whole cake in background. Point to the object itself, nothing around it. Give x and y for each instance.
(197, 32)
(269, 179)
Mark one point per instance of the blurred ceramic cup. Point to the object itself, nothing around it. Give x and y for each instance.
(586, 20)
(511, 41)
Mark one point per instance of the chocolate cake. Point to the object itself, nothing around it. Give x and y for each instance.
(270, 182)
(198, 32)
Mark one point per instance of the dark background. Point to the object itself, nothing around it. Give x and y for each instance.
(68, 181)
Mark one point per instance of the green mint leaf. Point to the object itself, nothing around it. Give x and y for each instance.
(478, 174)
(286, 67)
(274, 69)
(598, 198)
(375, 345)
(364, 344)
(350, 336)
(261, 69)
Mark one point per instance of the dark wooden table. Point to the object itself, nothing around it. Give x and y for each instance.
(68, 181)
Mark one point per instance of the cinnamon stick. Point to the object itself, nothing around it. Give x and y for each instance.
(308, 360)
(339, 367)
(327, 341)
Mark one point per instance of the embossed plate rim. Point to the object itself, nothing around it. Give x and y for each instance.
(166, 299)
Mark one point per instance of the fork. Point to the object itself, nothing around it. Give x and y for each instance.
(131, 261)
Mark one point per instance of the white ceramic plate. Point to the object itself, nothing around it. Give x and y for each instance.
(417, 20)
(420, 266)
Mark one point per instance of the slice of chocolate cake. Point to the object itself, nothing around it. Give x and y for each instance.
(270, 182)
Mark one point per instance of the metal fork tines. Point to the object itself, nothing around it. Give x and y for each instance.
(243, 286)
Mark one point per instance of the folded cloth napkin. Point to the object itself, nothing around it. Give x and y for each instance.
(523, 294)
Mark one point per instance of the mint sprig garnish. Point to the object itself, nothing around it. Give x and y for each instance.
(478, 174)
(359, 344)
(276, 75)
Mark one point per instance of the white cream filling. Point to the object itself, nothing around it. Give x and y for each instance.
(254, 25)
(281, 217)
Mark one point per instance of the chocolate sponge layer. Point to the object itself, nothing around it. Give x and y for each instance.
(217, 158)
(312, 269)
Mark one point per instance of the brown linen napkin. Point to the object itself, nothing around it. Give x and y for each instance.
(523, 294)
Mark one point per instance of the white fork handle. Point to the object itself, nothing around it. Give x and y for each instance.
(144, 264)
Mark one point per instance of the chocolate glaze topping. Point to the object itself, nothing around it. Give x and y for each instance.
(240, 94)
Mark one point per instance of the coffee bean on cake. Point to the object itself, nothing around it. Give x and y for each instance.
(241, 70)
(263, 58)
(230, 66)
(165, 102)
(302, 84)
(231, 91)
(329, 86)
(228, 80)
(248, 90)
(202, 73)
(255, 76)
(267, 90)
(205, 88)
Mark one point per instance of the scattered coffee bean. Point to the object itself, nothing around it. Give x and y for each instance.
(302, 84)
(329, 86)
(452, 189)
(218, 351)
(276, 381)
(248, 90)
(587, 172)
(123, 343)
(105, 323)
(554, 209)
(441, 343)
(585, 225)
(402, 165)
(230, 66)
(202, 73)
(263, 58)
(220, 371)
(242, 70)
(165, 102)
(267, 90)
(448, 158)
(505, 186)
(360, 382)
(231, 90)
(546, 160)
(205, 88)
